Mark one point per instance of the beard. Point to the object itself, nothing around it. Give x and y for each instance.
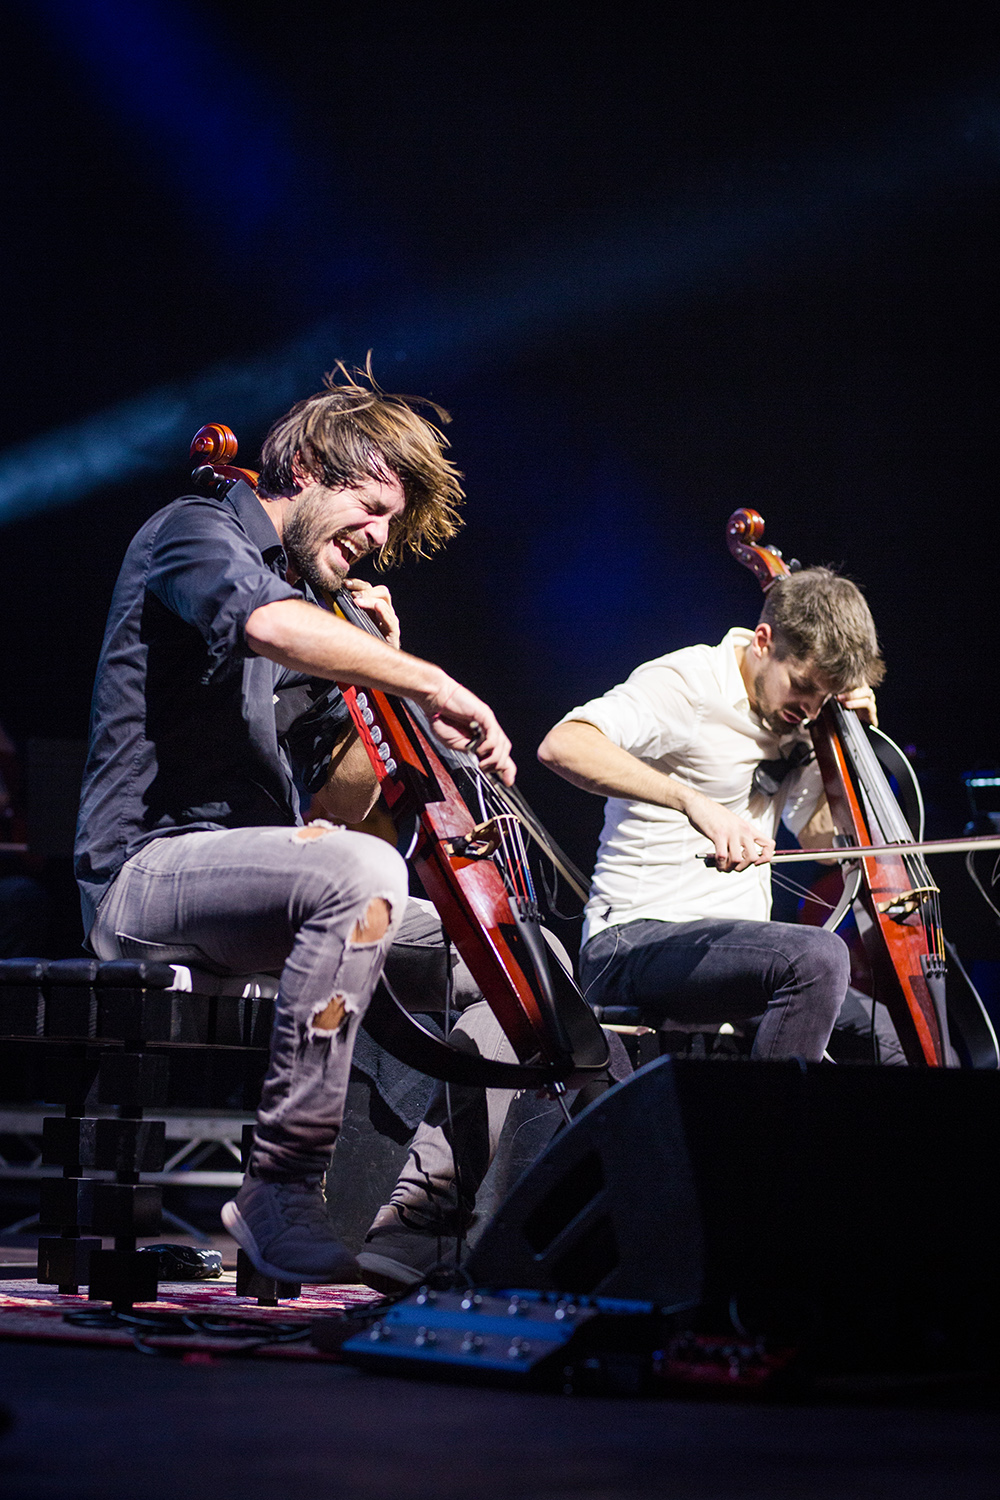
(304, 536)
(768, 718)
(772, 720)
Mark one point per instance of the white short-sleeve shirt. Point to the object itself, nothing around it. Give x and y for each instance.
(687, 714)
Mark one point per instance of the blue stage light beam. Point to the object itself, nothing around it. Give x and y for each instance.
(153, 431)
(558, 294)
(219, 133)
(156, 66)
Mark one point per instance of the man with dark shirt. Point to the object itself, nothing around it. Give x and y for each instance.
(215, 714)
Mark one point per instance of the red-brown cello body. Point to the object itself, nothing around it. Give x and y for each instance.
(486, 907)
(896, 906)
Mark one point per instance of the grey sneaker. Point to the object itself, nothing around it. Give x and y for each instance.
(285, 1229)
(399, 1253)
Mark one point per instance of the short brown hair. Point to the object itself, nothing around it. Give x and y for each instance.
(820, 617)
(352, 430)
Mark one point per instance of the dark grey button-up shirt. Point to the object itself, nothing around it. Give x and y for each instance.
(189, 729)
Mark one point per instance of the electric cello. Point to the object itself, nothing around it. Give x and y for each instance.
(887, 882)
(468, 850)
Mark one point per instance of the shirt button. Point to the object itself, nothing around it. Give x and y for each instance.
(274, 698)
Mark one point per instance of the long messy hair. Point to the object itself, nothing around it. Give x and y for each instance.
(351, 431)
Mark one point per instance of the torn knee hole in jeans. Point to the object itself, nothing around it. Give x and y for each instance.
(330, 1017)
(373, 925)
(310, 831)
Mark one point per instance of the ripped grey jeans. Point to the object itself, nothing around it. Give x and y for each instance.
(270, 900)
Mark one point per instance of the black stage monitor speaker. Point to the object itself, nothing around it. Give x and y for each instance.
(849, 1205)
(610, 1207)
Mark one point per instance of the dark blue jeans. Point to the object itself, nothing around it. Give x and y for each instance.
(794, 978)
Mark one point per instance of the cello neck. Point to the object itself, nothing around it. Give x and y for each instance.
(883, 815)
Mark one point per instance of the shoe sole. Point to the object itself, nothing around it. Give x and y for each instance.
(237, 1226)
(387, 1275)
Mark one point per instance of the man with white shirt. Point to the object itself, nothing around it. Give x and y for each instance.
(702, 749)
(705, 749)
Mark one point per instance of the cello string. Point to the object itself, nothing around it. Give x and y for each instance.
(970, 865)
(884, 813)
(796, 888)
(513, 865)
(880, 806)
(512, 799)
(886, 816)
(878, 798)
(521, 854)
(493, 797)
(884, 809)
(493, 808)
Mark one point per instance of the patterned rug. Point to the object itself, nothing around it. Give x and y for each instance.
(200, 1321)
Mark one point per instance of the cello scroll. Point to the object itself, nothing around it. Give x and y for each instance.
(215, 444)
(745, 540)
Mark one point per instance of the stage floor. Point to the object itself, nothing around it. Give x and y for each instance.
(111, 1424)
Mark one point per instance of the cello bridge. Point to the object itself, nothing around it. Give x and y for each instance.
(907, 902)
(482, 843)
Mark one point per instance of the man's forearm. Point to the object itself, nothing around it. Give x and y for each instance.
(307, 639)
(583, 755)
(312, 641)
(580, 753)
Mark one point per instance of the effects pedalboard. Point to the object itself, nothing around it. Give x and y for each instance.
(548, 1340)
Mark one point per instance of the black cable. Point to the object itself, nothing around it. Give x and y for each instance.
(249, 1333)
(449, 995)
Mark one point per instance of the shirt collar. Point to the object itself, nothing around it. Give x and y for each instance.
(256, 523)
(733, 687)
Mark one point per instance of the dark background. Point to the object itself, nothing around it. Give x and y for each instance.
(659, 262)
